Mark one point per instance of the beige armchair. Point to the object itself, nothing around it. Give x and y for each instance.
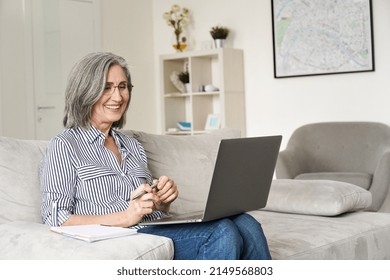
(352, 152)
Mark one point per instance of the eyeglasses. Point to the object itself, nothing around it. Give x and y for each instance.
(110, 88)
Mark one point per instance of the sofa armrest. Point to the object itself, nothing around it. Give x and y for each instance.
(288, 165)
(381, 182)
(26, 240)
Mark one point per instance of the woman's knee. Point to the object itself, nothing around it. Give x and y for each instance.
(255, 242)
(228, 230)
(247, 225)
(245, 220)
(228, 237)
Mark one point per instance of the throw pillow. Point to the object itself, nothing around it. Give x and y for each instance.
(316, 197)
(361, 179)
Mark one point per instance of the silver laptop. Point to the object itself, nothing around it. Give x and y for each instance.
(241, 180)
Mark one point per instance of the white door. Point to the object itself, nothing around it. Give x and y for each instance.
(63, 32)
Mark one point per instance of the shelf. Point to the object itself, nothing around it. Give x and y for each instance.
(222, 68)
(178, 132)
(206, 93)
(200, 93)
(176, 94)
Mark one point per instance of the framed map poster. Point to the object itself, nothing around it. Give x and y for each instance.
(317, 37)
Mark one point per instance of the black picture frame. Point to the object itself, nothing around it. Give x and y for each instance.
(320, 37)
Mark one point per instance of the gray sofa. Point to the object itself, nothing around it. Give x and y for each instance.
(333, 226)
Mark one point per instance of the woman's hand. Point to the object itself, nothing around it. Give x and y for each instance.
(139, 207)
(166, 192)
(159, 198)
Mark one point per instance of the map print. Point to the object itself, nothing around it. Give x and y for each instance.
(313, 37)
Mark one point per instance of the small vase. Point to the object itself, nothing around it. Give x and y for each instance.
(187, 88)
(179, 42)
(219, 43)
(179, 47)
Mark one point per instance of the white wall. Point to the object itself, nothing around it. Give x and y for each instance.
(127, 30)
(136, 30)
(281, 105)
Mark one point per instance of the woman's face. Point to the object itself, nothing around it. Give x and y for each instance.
(112, 104)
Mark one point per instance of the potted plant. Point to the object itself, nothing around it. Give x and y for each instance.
(219, 34)
(184, 77)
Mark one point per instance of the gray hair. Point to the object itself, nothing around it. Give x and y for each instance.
(85, 86)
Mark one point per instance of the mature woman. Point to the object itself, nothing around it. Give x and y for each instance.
(91, 172)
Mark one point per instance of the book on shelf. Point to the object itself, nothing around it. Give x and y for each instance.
(92, 233)
(186, 126)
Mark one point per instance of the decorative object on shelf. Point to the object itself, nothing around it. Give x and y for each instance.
(335, 37)
(219, 34)
(178, 17)
(210, 88)
(185, 126)
(213, 122)
(174, 77)
(184, 77)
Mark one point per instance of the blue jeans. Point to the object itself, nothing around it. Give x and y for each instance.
(233, 238)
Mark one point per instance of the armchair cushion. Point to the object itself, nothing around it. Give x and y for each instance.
(360, 179)
(316, 197)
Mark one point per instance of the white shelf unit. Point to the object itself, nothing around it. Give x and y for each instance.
(222, 68)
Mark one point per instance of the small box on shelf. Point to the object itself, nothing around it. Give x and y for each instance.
(184, 126)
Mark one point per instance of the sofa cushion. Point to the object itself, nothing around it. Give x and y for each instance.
(316, 197)
(24, 240)
(359, 179)
(352, 236)
(20, 196)
(188, 160)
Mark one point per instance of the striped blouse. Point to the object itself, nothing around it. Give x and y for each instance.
(82, 177)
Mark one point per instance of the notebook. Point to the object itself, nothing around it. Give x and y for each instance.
(92, 233)
(241, 180)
